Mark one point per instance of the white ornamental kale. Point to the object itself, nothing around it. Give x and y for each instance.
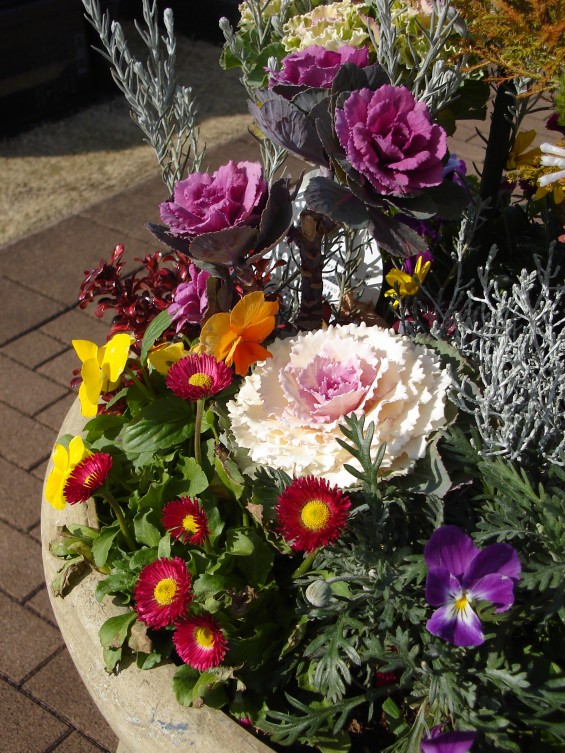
(516, 340)
(288, 411)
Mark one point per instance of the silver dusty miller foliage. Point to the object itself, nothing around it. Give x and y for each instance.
(430, 79)
(163, 110)
(516, 340)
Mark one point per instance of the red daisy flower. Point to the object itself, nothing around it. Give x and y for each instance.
(185, 520)
(87, 476)
(198, 375)
(311, 513)
(163, 591)
(200, 641)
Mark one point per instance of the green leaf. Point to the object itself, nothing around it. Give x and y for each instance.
(63, 580)
(112, 657)
(192, 688)
(155, 329)
(145, 531)
(114, 632)
(164, 423)
(340, 743)
(193, 473)
(230, 476)
(239, 543)
(106, 425)
(102, 545)
(164, 548)
(113, 584)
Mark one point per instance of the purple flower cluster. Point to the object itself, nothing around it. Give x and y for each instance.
(317, 67)
(234, 195)
(459, 574)
(190, 299)
(390, 139)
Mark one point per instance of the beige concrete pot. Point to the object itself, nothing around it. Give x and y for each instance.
(139, 706)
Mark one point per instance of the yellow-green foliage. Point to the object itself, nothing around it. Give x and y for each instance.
(520, 38)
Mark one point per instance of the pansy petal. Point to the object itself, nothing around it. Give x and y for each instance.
(216, 336)
(246, 354)
(116, 353)
(498, 589)
(77, 451)
(450, 547)
(60, 457)
(91, 380)
(252, 308)
(85, 349)
(461, 627)
(54, 489)
(496, 558)
(440, 586)
(449, 742)
(260, 330)
(87, 407)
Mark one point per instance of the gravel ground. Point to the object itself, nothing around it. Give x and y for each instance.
(59, 168)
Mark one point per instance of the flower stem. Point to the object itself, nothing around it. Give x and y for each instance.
(146, 388)
(197, 430)
(120, 518)
(304, 565)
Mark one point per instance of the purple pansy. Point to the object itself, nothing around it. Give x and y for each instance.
(410, 262)
(455, 169)
(447, 742)
(234, 195)
(190, 299)
(459, 573)
(317, 67)
(390, 139)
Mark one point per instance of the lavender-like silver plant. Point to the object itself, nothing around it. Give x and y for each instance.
(162, 109)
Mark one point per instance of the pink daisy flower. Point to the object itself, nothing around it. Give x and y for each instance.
(163, 591)
(87, 477)
(198, 375)
(311, 513)
(185, 520)
(200, 641)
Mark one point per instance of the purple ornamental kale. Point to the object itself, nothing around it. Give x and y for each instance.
(459, 573)
(202, 203)
(317, 67)
(391, 140)
(447, 742)
(190, 299)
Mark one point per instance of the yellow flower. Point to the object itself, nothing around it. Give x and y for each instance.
(235, 337)
(101, 369)
(404, 284)
(518, 154)
(163, 356)
(557, 189)
(64, 462)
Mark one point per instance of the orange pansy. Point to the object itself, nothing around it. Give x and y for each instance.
(235, 337)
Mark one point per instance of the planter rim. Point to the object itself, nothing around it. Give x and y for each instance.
(139, 705)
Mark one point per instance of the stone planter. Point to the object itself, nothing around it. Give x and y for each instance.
(139, 706)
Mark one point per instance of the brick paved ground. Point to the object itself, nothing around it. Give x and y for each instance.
(44, 706)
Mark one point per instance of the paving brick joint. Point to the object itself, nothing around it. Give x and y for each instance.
(45, 707)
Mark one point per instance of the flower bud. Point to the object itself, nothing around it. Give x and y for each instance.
(319, 593)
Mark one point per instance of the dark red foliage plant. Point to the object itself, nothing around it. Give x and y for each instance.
(137, 297)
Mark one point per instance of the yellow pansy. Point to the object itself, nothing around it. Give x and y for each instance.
(404, 284)
(163, 356)
(518, 155)
(64, 462)
(101, 369)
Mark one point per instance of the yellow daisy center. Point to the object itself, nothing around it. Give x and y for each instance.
(200, 380)
(315, 515)
(165, 591)
(189, 524)
(204, 636)
(461, 603)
